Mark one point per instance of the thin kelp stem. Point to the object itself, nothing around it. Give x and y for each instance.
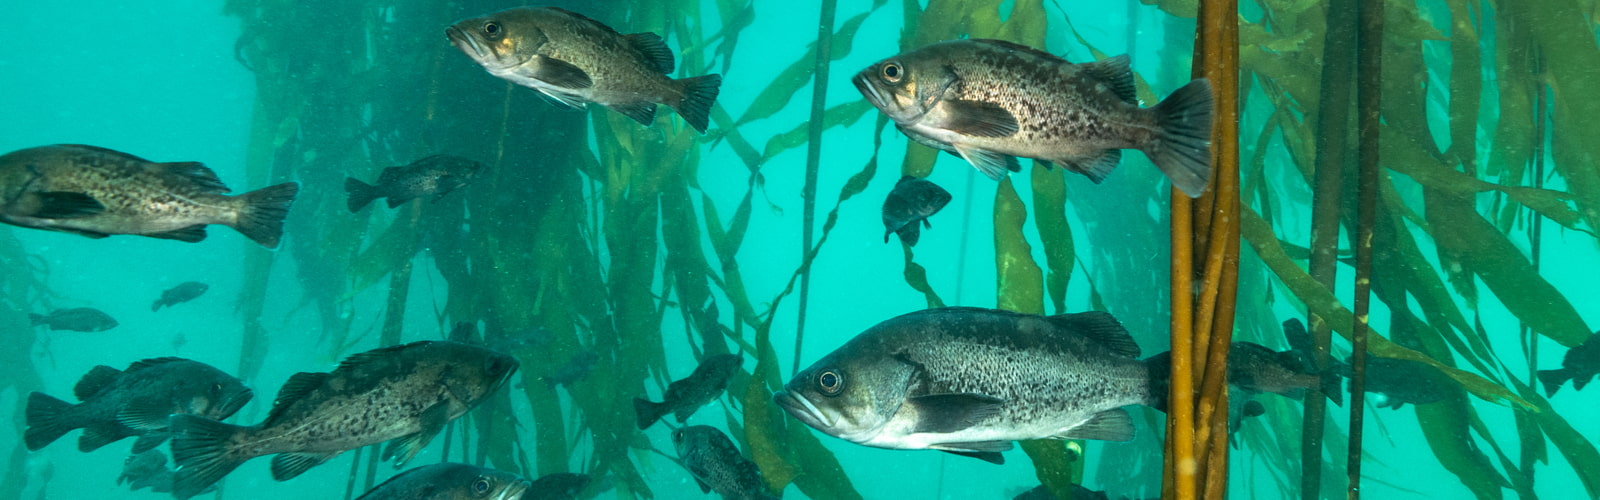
(819, 106)
(1369, 45)
(1333, 120)
(1180, 465)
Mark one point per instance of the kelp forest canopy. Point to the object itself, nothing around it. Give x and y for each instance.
(652, 247)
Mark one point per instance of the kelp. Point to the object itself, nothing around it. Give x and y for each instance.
(22, 286)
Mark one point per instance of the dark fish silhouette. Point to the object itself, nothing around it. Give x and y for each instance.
(149, 470)
(573, 60)
(97, 192)
(908, 207)
(990, 101)
(77, 319)
(970, 381)
(434, 176)
(134, 402)
(1079, 492)
(717, 465)
(1258, 368)
(1579, 365)
(449, 481)
(574, 369)
(403, 394)
(1403, 381)
(184, 292)
(685, 396)
(558, 486)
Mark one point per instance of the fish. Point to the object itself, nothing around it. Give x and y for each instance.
(403, 394)
(136, 401)
(77, 319)
(1079, 492)
(97, 192)
(184, 292)
(1402, 381)
(149, 470)
(1579, 365)
(1258, 368)
(574, 369)
(969, 381)
(911, 201)
(684, 397)
(449, 481)
(717, 465)
(557, 486)
(435, 176)
(990, 101)
(573, 60)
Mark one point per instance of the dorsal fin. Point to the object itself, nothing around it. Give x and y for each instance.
(1018, 47)
(1103, 328)
(146, 363)
(296, 388)
(192, 173)
(582, 17)
(111, 152)
(1115, 73)
(654, 49)
(98, 378)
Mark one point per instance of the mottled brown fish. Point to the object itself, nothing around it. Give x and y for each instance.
(684, 397)
(134, 402)
(574, 60)
(990, 101)
(434, 176)
(77, 319)
(97, 192)
(909, 205)
(403, 394)
(449, 481)
(717, 465)
(184, 292)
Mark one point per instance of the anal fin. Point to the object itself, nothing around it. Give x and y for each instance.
(1109, 425)
(643, 112)
(1097, 168)
(286, 466)
(191, 234)
(995, 165)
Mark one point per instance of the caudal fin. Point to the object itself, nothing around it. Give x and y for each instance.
(1159, 368)
(201, 453)
(45, 422)
(361, 194)
(647, 413)
(1182, 147)
(262, 212)
(1552, 380)
(1333, 387)
(699, 93)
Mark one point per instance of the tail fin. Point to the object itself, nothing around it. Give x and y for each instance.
(38, 319)
(1182, 147)
(1159, 367)
(1579, 382)
(699, 93)
(1552, 380)
(261, 215)
(646, 412)
(45, 422)
(361, 194)
(201, 453)
(1333, 387)
(156, 306)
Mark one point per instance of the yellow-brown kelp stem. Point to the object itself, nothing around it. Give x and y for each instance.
(1197, 426)
(1369, 44)
(819, 106)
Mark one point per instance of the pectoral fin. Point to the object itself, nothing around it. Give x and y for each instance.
(403, 449)
(979, 119)
(945, 413)
(992, 164)
(59, 205)
(561, 73)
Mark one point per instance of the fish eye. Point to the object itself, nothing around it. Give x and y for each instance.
(481, 486)
(492, 29)
(831, 382)
(892, 73)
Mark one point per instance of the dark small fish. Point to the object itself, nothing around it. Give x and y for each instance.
(558, 486)
(573, 60)
(134, 402)
(1079, 492)
(449, 481)
(1403, 381)
(77, 319)
(911, 201)
(1580, 365)
(686, 396)
(184, 292)
(149, 470)
(1258, 368)
(97, 192)
(435, 176)
(716, 464)
(402, 394)
(574, 369)
(991, 101)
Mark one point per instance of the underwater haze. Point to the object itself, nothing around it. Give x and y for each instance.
(582, 226)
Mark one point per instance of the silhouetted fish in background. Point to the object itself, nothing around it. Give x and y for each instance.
(434, 176)
(574, 369)
(1580, 365)
(717, 465)
(684, 397)
(149, 470)
(557, 486)
(449, 481)
(77, 319)
(908, 207)
(97, 192)
(134, 402)
(573, 60)
(1403, 381)
(184, 292)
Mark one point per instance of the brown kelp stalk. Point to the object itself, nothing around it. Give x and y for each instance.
(1333, 120)
(1369, 45)
(1197, 426)
(819, 103)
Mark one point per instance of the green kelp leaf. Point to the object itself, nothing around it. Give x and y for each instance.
(764, 422)
(917, 277)
(1579, 452)
(1056, 463)
(1404, 154)
(1050, 216)
(842, 115)
(822, 476)
(394, 248)
(1322, 302)
(1021, 284)
(1445, 425)
(797, 76)
(725, 130)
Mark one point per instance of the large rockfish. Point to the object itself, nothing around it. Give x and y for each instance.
(118, 404)
(574, 60)
(97, 192)
(970, 381)
(405, 393)
(990, 101)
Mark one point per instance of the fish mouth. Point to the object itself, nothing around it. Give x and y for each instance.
(802, 409)
(868, 90)
(466, 43)
(233, 402)
(515, 490)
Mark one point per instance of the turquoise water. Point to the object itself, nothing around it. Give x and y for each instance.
(161, 81)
